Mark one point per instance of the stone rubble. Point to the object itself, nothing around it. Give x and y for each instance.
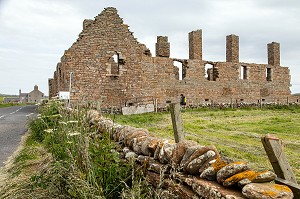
(267, 191)
(182, 162)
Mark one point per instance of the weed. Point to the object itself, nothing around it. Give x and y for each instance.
(83, 164)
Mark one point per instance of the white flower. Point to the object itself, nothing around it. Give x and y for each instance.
(63, 123)
(71, 122)
(73, 134)
(48, 130)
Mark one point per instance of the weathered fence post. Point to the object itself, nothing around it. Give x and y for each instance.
(274, 149)
(177, 122)
(260, 103)
(282, 168)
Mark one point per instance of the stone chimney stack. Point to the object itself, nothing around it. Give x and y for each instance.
(274, 54)
(232, 48)
(162, 47)
(195, 44)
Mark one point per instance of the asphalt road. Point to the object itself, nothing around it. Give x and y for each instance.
(13, 124)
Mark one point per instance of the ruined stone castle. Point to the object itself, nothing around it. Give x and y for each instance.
(107, 63)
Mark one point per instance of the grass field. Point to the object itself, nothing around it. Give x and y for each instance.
(236, 133)
(2, 104)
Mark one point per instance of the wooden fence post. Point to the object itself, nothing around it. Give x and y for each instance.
(276, 155)
(282, 168)
(177, 122)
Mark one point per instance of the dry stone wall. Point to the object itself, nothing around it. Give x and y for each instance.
(111, 66)
(188, 170)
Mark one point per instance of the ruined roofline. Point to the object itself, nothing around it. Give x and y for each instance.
(232, 49)
(89, 24)
(163, 49)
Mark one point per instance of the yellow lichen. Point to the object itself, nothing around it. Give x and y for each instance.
(282, 188)
(251, 175)
(269, 193)
(237, 163)
(218, 164)
(277, 187)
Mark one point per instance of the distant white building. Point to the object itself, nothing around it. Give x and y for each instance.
(35, 95)
(32, 97)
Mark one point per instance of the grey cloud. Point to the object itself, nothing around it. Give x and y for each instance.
(34, 34)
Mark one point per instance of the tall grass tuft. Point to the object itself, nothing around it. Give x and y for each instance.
(83, 163)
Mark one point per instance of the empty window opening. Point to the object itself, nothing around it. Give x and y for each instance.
(243, 72)
(208, 72)
(207, 100)
(116, 58)
(269, 74)
(211, 72)
(297, 100)
(263, 100)
(241, 100)
(114, 61)
(179, 65)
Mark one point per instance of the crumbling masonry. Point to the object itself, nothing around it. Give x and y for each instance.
(110, 65)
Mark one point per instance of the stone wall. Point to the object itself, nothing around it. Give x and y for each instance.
(188, 170)
(111, 66)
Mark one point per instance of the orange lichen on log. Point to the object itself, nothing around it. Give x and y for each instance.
(218, 164)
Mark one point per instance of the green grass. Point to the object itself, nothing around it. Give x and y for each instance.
(64, 157)
(2, 104)
(236, 133)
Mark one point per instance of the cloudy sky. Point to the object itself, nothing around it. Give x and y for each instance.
(35, 33)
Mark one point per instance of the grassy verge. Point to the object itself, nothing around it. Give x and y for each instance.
(64, 157)
(236, 133)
